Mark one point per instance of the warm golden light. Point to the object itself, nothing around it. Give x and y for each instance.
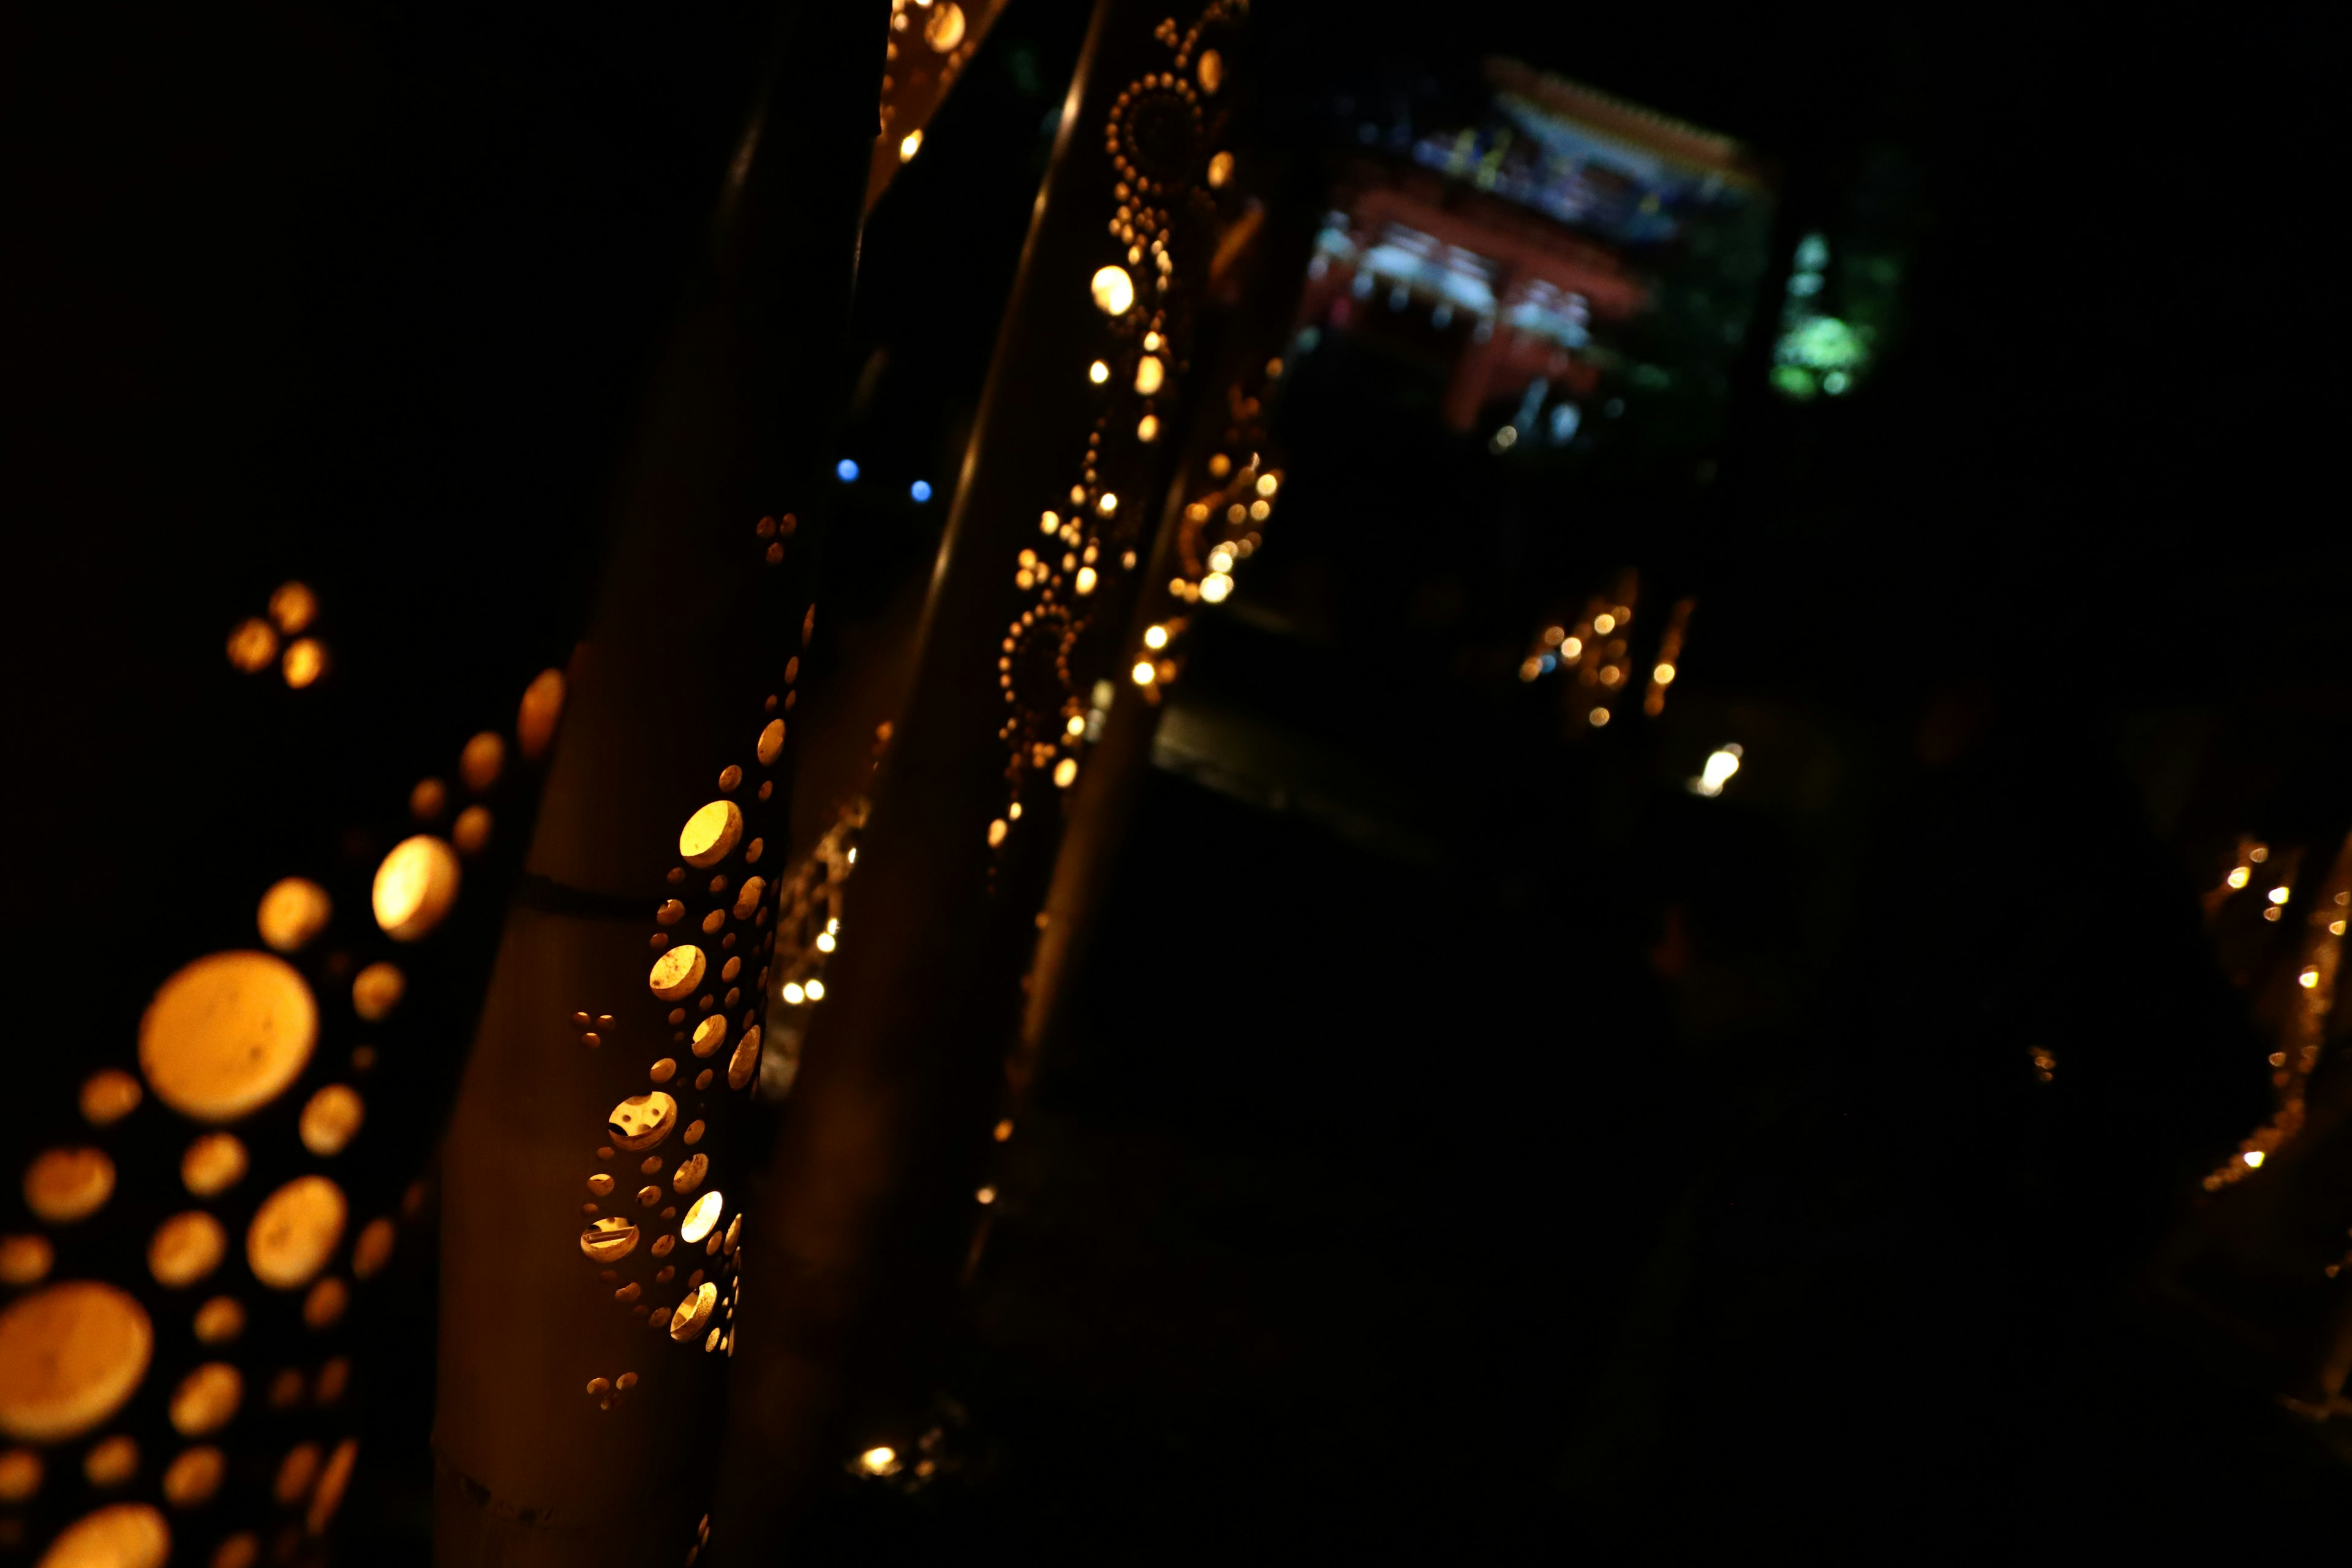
(1211, 70)
(1604, 622)
(252, 645)
(1149, 375)
(2253, 1158)
(609, 1240)
(226, 1033)
(1086, 580)
(986, 1194)
(1598, 717)
(214, 1163)
(293, 911)
(331, 1120)
(709, 1035)
(1530, 669)
(1720, 764)
(334, 1481)
(70, 1355)
(689, 1316)
(1107, 504)
(2258, 854)
(219, 1320)
(770, 744)
(2238, 877)
(293, 606)
(63, 1185)
(880, 1461)
(1220, 169)
(471, 832)
(2308, 979)
(908, 145)
(1147, 429)
(702, 1218)
(710, 832)
(945, 29)
(120, 1535)
(1267, 484)
(373, 1250)
(745, 1063)
(295, 1231)
(1664, 675)
(185, 1247)
(305, 661)
(2278, 895)
(1215, 586)
(1143, 673)
(1113, 290)
(482, 760)
(1097, 373)
(815, 989)
(541, 710)
(26, 1259)
(112, 1462)
(1066, 772)
(107, 1096)
(194, 1475)
(1076, 727)
(676, 973)
(1155, 636)
(206, 1399)
(414, 887)
(642, 1121)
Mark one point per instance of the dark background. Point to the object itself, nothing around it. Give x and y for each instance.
(1559, 1156)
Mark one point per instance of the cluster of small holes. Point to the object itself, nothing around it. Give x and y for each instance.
(224, 1036)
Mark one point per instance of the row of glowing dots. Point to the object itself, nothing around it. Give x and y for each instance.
(1212, 588)
(2308, 978)
(642, 1122)
(136, 1535)
(2276, 897)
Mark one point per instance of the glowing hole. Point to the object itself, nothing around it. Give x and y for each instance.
(745, 1063)
(214, 1163)
(206, 1399)
(1113, 290)
(70, 1356)
(609, 1240)
(642, 1121)
(541, 710)
(689, 1316)
(331, 1120)
(709, 834)
(63, 1185)
(414, 887)
(292, 912)
(377, 990)
(676, 973)
(185, 1247)
(702, 1218)
(226, 1033)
